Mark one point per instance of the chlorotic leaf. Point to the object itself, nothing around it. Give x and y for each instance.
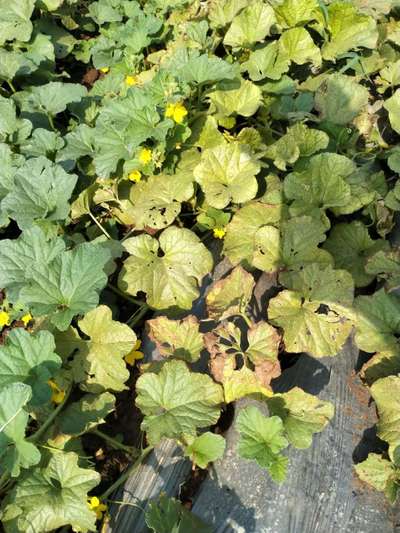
(378, 321)
(302, 414)
(380, 474)
(227, 174)
(99, 364)
(385, 393)
(297, 45)
(230, 99)
(348, 29)
(205, 449)
(176, 401)
(251, 25)
(308, 326)
(168, 270)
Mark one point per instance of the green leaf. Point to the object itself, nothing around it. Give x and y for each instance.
(15, 20)
(297, 45)
(15, 451)
(223, 12)
(68, 286)
(267, 62)
(348, 30)
(30, 359)
(43, 142)
(89, 412)
(229, 98)
(201, 69)
(320, 185)
(205, 449)
(308, 326)
(386, 265)
(45, 197)
(12, 64)
(226, 174)
(340, 99)
(380, 474)
(177, 401)
(302, 414)
(157, 201)
(177, 339)
(52, 496)
(352, 249)
(261, 439)
(168, 270)
(239, 242)
(392, 105)
(230, 296)
(17, 257)
(51, 98)
(78, 143)
(99, 364)
(378, 321)
(167, 515)
(385, 393)
(299, 141)
(252, 24)
(290, 13)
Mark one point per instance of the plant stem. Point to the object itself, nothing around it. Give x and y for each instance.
(137, 316)
(114, 443)
(246, 319)
(125, 296)
(10, 84)
(4, 478)
(51, 122)
(127, 473)
(47, 423)
(103, 230)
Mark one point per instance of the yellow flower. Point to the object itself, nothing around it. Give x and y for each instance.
(26, 319)
(104, 70)
(4, 319)
(176, 111)
(219, 233)
(133, 355)
(95, 505)
(135, 176)
(130, 80)
(145, 156)
(57, 394)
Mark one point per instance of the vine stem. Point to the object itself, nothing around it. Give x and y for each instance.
(10, 84)
(115, 443)
(246, 319)
(125, 296)
(127, 473)
(101, 228)
(47, 423)
(138, 315)
(4, 480)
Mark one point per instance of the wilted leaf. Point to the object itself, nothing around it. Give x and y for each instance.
(178, 339)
